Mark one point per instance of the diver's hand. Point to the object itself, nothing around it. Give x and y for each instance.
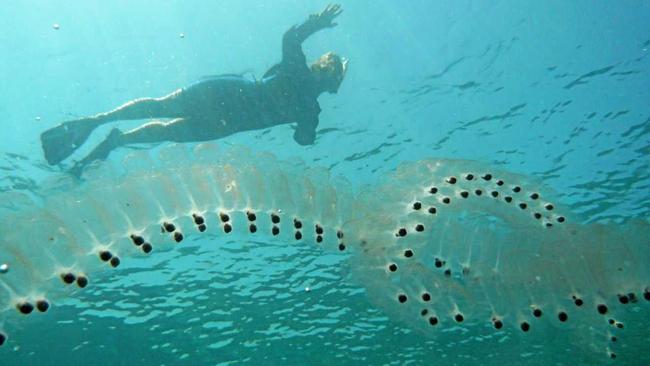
(326, 18)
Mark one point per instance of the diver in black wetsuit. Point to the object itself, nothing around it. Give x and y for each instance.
(219, 106)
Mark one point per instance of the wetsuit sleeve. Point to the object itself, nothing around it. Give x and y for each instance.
(292, 42)
(305, 133)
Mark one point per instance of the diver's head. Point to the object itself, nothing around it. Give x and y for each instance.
(329, 71)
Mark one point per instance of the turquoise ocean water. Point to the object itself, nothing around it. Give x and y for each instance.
(555, 89)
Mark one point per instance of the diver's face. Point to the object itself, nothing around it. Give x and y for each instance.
(329, 71)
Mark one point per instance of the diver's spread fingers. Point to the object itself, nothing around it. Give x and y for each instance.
(332, 10)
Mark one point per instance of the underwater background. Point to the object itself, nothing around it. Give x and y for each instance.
(554, 89)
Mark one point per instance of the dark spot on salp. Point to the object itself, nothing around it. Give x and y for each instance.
(562, 316)
(433, 190)
(417, 205)
(548, 206)
(67, 278)
(549, 225)
(42, 305)
(578, 302)
(525, 326)
(451, 180)
(3, 338)
(401, 232)
(469, 176)
(275, 218)
(408, 253)
(507, 199)
(432, 210)
(392, 267)
(105, 255)
(612, 355)
(500, 182)
(275, 230)
(202, 227)
(623, 299)
(252, 228)
(402, 298)
(178, 237)
(227, 228)
(632, 297)
(446, 200)
(319, 229)
(250, 215)
(341, 247)
(459, 318)
(537, 215)
(137, 240)
(611, 321)
(498, 324)
(82, 281)
(424, 312)
(448, 273)
(487, 176)
(614, 339)
(433, 320)
(168, 227)
(478, 192)
(224, 217)
(297, 224)
(298, 235)
(115, 261)
(646, 294)
(494, 194)
(523, 205)
(198, 219)
(426, 296)
(561, 219)
(147, 248)
(619, 325)
(438, 263)
(319, 238)
(464, 194)
(25, 308)
(534, 196)
(602, 309)
(419, 227)
(339, 234)
(537, 313)
(516, 189)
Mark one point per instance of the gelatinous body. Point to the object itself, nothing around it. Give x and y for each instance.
(439, 244)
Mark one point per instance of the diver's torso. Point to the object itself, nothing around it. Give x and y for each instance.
(235, 102)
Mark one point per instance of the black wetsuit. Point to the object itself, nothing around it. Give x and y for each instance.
(232, 103)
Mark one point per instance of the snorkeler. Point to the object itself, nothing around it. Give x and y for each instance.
(219, 106)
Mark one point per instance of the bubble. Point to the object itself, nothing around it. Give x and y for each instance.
(56, 26)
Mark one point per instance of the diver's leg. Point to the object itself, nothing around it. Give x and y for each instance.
(168, 106)
(177, 130)
(61, 141)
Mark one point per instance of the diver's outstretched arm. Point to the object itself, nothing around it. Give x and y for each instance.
(293, 38)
